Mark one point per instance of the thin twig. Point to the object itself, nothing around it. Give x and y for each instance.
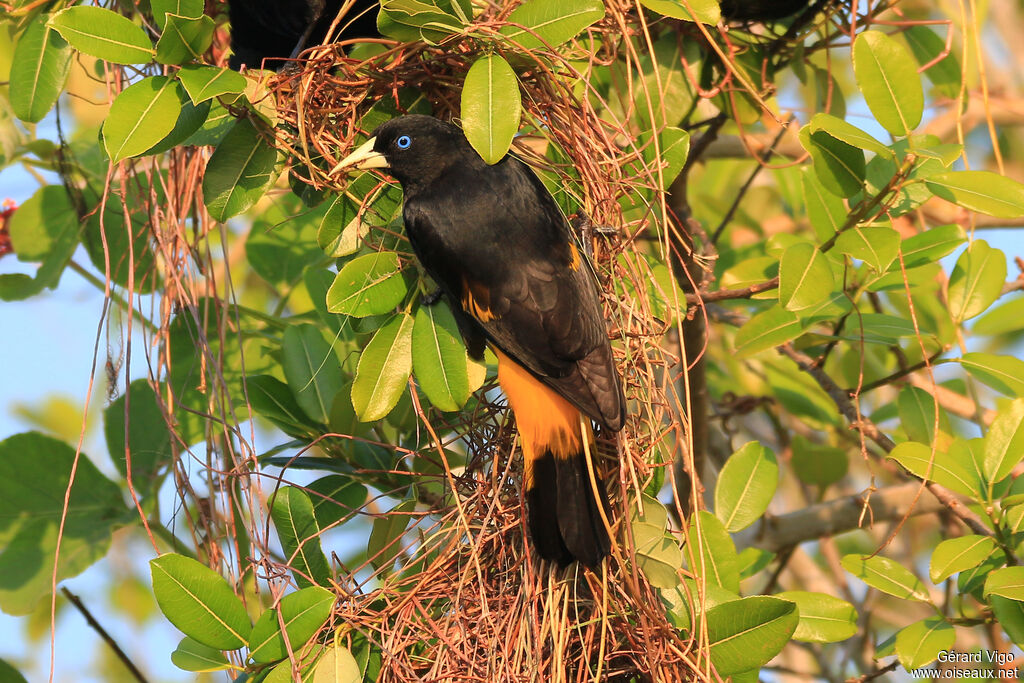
(96, 626)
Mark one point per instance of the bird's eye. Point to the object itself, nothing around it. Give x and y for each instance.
(403, 142)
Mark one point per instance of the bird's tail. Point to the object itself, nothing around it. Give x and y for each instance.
(565, 503)
(565, 509)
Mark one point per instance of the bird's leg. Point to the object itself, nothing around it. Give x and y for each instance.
(585, 228)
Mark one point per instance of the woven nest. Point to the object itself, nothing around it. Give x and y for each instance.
(480, 607)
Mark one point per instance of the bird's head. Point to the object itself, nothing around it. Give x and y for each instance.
(414, 149)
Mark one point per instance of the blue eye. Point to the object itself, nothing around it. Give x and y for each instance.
(403, 142)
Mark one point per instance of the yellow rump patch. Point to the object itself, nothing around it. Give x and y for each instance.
(575, 260)
(476, 300)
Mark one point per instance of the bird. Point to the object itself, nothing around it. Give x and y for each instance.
(267, 33)
(760, 10)
(502, 253)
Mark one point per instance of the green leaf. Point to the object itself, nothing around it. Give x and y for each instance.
(745, 634)
(39, 70)
(141, 116)
(1004, 442)
(1005, 374)
(273, 400)
(337, 666)
(190, 120)
(745, 486)
(335, 497)
(34, 475)
(103, 34)
(657, 551)
(302, 612)
(1001, 320)
(945, 469)
(716, 558)
(439, 357)
(825, 210)
(752, 560)
(311, 369)
(823, 618)
(491, 107)
(239, 171)
(199, 602)
(292, 512)
(191, 655)
(548, 22)
(149, 440)
(8, 674)
(805, 277)
(981, 191)
(887, 76)
(926, 46)
(818, 464)
(976, 281)
(184, 39)
(877, 328)
(919, 415)
(203, 82)
(958, 554)
(36, 228)
(341, 231)
(848, 133)
(921, 642)
(767, 330)
(183, 8)
(840, 167)
(877, 246)
(385, 545)
(384, 369)
(1010, 616)
(370, 284)
(886, 575)
(1007, 582)
(704, 11)
(931, 245)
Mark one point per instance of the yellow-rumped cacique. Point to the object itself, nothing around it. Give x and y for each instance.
(502, 252)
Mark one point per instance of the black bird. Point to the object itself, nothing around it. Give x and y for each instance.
(494, 240)
(265, 33)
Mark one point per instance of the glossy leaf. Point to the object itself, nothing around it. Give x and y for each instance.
(818, 464)
(713, 554)
(704, 11)
(273, 400)
(767, 330)
(805, 277)
(39, 70)
(1005, 374)
(840, 167)
(103, 34)
(745, 634)
(1007, 582)
(337, 665)
(491, 107)
(370, 284)
(141, 116)
(976, 281)
(919, 415)
(148, 445)
(199, 602)
(921, 642)
(886, 575)
(292, 512)
(303, 612)
(37, 227)
(823, 618)
(384, 369)
(958, 554)
(552, 23)
(311, 369)
(887, 76)
(34, 474)
(745, 486)
(191, 655)
(184, 39)
(1003, 319)
(847, 132)
(439, 357)
(1004, 442)
(944, 469)
(385, 543)
(203, 82)
(875, 246)
(981, 191)
(182, 8)
(926, 45)
(932, 244)
(239, 171)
